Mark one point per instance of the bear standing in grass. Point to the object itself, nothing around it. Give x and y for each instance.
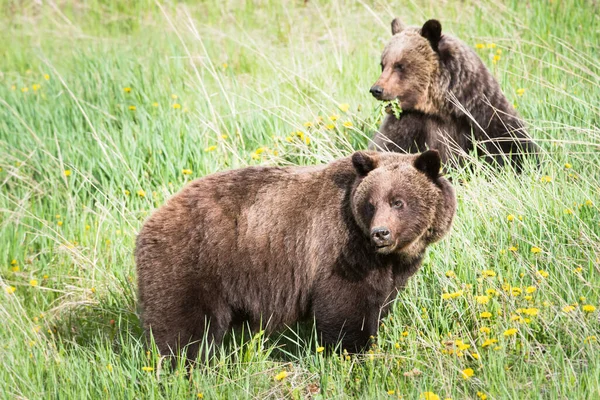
(448, 98)
(273, 246)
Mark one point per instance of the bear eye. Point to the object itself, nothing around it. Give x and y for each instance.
(399, 67)
(397, 204)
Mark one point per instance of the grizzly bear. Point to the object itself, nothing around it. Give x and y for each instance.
(267, 247)
(450, 101)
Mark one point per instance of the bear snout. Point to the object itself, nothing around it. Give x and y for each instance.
(381, 237)
(377, 91)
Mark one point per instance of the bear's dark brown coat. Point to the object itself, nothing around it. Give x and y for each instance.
(448, 97)
(278, 245)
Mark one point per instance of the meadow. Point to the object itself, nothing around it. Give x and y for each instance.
(108, 107)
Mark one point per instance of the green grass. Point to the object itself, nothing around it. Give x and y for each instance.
(248, 75)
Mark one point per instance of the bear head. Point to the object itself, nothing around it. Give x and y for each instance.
(400, 201)
(410, 66)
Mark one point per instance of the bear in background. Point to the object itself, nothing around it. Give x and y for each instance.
(448, 98)
(270, 246)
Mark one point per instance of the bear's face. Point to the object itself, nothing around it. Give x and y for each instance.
(401, 202)
(409, 66)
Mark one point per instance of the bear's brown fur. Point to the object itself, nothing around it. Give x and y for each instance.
(448, 98)
(272, 246)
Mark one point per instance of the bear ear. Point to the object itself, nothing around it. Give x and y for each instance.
(429, 163)
(432, 31)
(364, 162)
(397, 26)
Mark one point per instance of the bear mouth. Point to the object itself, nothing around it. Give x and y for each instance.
(385, 248)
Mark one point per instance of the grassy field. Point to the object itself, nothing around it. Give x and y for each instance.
(109, 107)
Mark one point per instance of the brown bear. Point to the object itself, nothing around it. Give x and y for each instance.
(270, 246)
(449, 100)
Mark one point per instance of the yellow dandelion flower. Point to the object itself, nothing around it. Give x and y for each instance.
(568, 211)
(200, 395)
(45, 277)
(155, 104)
(510, 332)
(141, 193)
(127, 90)
(319, 120)
(47, 77)
(528, 297)
(488, 273)
(67, 172)
(578, 270)
(588, 308)
(334, 117)
(429, 396)
(516, 291)
(536, 250)
(405, 333)
(174, 96)
(176, 106)
(15, 268)
(127, 192)
(479, 45)
(344, 107)
(582, 298)
(10, 289)
(496, 59)
(224, 65)
(482, 299)
(450, 274)
(590, 339)
(491, 292)
(87, 227)
(109, 368)
(186, 171)
(532, 312)
(510, 217)
(132, 108)
(475, 356)
(320, 349)
(489, 342)
(24, 89)
(482, 395)
(33, 282)
(499, 51)
(491, 45)
(568, 166)
(281, 376)
(36, 87)
(347, 124)
(513, 248)
(468, 373)
(329, 127)
(13, 87)
(60, 223)
(543, 273)
(546, 179)
(308, 124)
(210, 148)
(147, 369)
(568, 309)
(255, 156)
(391, 392)
(589, 203)
(485, 314)
(485, 329)
(530, 289)
(520, 92)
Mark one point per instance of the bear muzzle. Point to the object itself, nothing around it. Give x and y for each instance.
(381, 237)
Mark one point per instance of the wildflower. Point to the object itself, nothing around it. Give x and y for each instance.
(568, 166)
(281, 376)
(536, 250)
(520, 92)
(109, 368)
(60, 223)
(454, 295)
(482, 395)
(546, 179)
(67, 172)
(568, 211)
(450, 274)
(15, 268)
(347, 124)
(589, 203)
(36, 87)
(468, 373)
(334, 117)
(530, 289)
(543, 273)
(496, 59)
(482, 299)
(344, 107)
(155, 104)
(255, 156)
(87, 227)
(405, 333)
(24, 89)
(186, 171)
(10, 289)
(127, 90)
(127, 192)
(578, 270)
(13, 87)
(429, 396)
(308, 124)
(33, 282)
(510, 217)
(141, 193)
(491, 292)
(210, 148)
(329, 127)
(397, 345)
(390, 392)
(147, 369)
(176, 106)
(488, 273)
(224, 137)
(510, 332)
(475, 356)
(479, 46)
(590, 339)
(132, 108)
(588, 308)
(174, 96)
(47, 77)
(516, 291)
(319, 119)
(532, 312)
(489, 342)
(491, 45)
(582, 298)
(485, 314)
(45, 277)
(485, 329)
(568, 309)
(513, 248)
(320, 349)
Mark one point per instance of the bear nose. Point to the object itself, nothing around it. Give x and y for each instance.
(381, 236)
(376, 91)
